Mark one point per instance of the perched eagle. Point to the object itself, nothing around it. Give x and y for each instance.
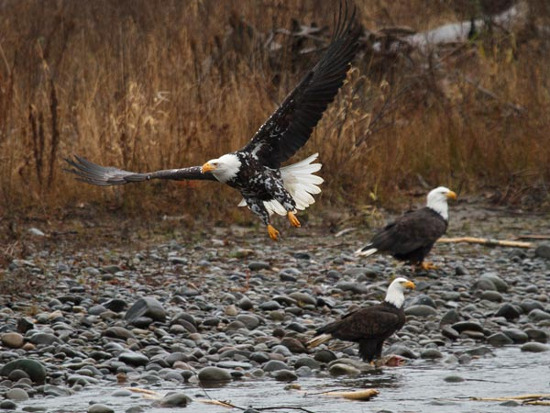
(411, 236)
(255, 170)
(369, 326)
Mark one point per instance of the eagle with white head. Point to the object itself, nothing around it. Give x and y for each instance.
(256, 169)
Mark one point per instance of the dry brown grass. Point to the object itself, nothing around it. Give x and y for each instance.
(154, 84)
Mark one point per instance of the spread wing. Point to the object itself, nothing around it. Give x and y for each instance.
(413, 230)
(94, 174)
(290, 126)
(368, 322)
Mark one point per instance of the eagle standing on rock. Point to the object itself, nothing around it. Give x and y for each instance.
(369, 326)
(411, 236)
(255, 170)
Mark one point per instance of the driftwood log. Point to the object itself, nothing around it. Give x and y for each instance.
(488, 242)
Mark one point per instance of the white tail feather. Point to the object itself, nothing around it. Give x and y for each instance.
(366, 251)
(317, 341)
(299, 180)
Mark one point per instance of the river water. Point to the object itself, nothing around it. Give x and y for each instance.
(416, 387)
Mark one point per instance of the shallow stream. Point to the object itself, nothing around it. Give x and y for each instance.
(417, 387)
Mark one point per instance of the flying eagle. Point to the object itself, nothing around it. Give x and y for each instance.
(369, 326)
(411, 237)
(255, 170)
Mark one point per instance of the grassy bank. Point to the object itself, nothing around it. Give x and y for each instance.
(148, 85)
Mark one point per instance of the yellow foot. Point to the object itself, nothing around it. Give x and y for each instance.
(273, 233)
(293, 220)
(428, 266)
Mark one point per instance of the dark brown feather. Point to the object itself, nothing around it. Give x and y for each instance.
(290, 126)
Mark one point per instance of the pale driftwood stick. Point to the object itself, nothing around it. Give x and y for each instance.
(528, 397)
(353, 395)
(488, 241)
(533, 236)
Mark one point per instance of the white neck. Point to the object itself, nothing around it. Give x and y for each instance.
(441, 207)
(395, 295)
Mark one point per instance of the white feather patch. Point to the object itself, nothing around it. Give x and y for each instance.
(299, 180)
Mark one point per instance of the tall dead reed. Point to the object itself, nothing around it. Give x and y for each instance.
(146, 85)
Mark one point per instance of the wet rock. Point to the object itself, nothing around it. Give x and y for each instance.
(543, 251)
(431, 354)
(245, 304)
(342, 369)
(294, 345)
(175, 399)
(258, 265)
(461, 270)
(274, 365)
(538, 315)
(508, 311)
(44, 339)
(17, 394)
(116, 305)
(499, 283)
(467, 325)
(307, 362)
(494, 296)
(423, 299)
(450, 317)
(454, 379)
(499, 339)
(529, 305)
(269, 305)
(303, 298)
(118, 332)
(484, 285)
(516, 335)
(100, 408)
(401, 350)
(148, 307)
(324, 356)
(535, 347)
(35, 369)
(284, 375)
(356, 288)
(8, 405)
(450, 332)
(420, 310)
(537, 335)
(213, 374)
(134, 359)
(24, 324)
(250, 321)
(13, 340)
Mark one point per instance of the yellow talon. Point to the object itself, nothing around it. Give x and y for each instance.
(428, 266)
(293, 220)
(273, 233)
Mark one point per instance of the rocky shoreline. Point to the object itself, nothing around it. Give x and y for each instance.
(236, 306)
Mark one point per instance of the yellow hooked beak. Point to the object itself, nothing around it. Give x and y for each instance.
(207, 167)
(451, 195)
(410, 284)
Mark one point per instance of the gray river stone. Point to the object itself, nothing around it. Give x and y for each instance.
(17, 394)
(420, 310)
(146, 307)
(214, 374)
(535, 347)
(538, 315)
(100, 408)
(175, 400)
(35, 369)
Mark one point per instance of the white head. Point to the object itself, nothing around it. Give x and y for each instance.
(396, 291)
(437, 200)
(224, 168)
